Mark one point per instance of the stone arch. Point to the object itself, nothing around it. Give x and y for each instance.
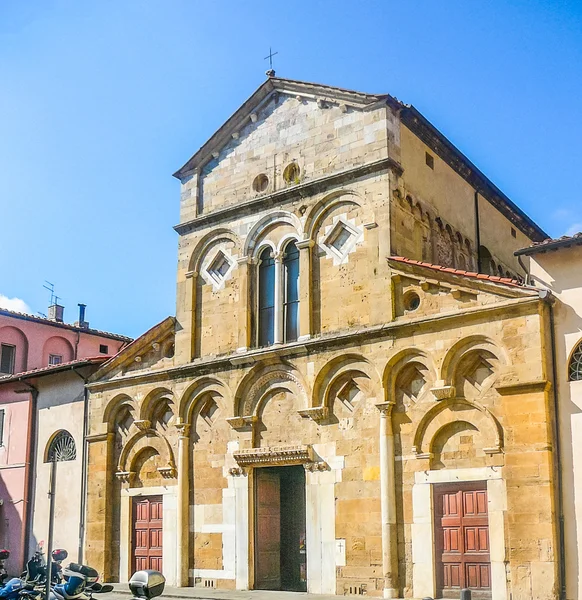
(324, 206)
(344, 367)
(460, 349)
(401, 361)
(264, 380)
(147, 438)
(574, 364)
(115, 405)
(198, 393)
(267, 222)
(443, 414)
(214, 237)
(152, 399)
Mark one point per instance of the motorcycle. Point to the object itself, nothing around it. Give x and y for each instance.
(36, 567)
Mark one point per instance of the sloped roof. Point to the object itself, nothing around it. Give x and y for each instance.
(136, 347)
(566, 241)
(409, 115)
(27, 317)
(468, 274)
(51, 369)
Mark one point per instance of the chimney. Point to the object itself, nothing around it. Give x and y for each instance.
(56, 312)
(81, 322)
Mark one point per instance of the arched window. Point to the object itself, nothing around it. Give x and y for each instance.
(61, 448)
(291, 297)
(266, 320)
(575, 367)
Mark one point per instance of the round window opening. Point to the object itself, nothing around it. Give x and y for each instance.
(291, 173)
(411, 301)
(260, 183)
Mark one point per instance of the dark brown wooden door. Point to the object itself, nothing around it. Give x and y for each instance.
(462, 540)
(147, 533)
(267, 530)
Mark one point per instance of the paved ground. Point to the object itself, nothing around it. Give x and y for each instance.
(122, 592)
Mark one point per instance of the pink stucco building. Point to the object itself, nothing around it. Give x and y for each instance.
(30, 347)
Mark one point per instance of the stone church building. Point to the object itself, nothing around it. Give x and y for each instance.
(354, 395)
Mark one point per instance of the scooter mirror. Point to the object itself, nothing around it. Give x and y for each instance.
(147, 584)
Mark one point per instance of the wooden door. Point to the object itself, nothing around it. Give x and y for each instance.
(267, 530)
(147, 533)
(462, 540)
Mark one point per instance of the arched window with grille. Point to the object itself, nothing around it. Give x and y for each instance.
(61, 447)
(266, 320)
(291, 295)
(575, 366)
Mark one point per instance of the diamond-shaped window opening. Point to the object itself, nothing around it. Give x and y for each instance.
(341, 239)
(219, 267)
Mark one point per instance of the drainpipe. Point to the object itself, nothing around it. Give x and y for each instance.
(547, 296)
(477, 232)
(388, 502)
(29, 466)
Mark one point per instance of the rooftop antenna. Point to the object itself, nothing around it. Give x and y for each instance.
(51, 288)
(271, 71)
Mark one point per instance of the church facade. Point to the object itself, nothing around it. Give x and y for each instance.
(353, 397)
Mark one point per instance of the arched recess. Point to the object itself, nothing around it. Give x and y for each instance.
(264, 380)
(478, 347)
(345, 375)
(147, 438)
(156, 406)
(115, 407)
(324, 206)
(60, 346)
(14, 336)
(207, 242)
(195, 393)
(268, 222)
(408, 375)
(456, 409)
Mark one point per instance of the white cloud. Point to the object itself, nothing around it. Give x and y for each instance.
(15, 304)
(574, 228)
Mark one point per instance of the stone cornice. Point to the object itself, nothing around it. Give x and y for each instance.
(289, 194)
(394, 329)
(527, 387)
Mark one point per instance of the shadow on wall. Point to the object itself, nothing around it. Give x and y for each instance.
(11, 532)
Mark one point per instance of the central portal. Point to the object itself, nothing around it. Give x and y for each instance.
(280, 553)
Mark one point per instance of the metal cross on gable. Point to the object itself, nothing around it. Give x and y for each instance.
(270, 72)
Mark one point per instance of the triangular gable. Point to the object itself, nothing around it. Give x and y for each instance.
(147, 343)
(263, 94)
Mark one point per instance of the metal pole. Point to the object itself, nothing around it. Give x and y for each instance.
(49, 548)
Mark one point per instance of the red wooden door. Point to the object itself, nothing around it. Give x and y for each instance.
(462, 540)
(147, 533)
(267, 530)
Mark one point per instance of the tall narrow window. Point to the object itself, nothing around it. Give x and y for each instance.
(7, 355)
(266, 319)
(291, 304)
(2, 412)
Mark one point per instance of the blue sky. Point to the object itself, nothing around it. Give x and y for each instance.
(102, 101)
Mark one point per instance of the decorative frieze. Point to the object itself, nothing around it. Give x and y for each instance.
(168, 472)
(275, 455)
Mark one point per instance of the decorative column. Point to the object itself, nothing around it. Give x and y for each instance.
(190, 310)
(305, 279)
(279, 297)
(388, 502)
(183, 504)
(246, 274)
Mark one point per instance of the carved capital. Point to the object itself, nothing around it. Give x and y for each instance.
(126, 477)
(385, 408)
(317, 413)
(183, 428)
(143, 424)
(237, 472)
(444, 392)
(314, 467)
(305, 244)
